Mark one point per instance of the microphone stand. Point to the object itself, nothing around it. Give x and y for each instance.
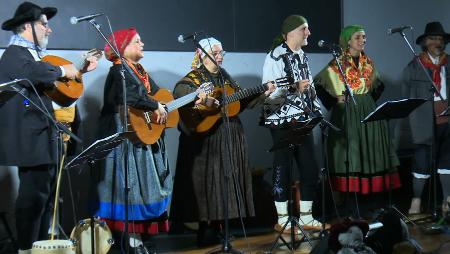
(348, 93)
(226, 246)
(124, 67)
(433, 91)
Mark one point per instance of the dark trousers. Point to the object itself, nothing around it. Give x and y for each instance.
(441, 151)
(307, 167)
(34, 203)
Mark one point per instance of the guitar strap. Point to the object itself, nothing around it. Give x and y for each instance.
(36, 43)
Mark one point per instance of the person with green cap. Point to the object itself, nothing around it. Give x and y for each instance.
(427, 128)
(372, 163)
(33, 137)
(286, 109)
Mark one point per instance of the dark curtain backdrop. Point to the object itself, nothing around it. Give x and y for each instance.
(241, 25)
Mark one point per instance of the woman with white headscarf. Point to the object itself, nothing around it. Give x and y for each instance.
(200, 173)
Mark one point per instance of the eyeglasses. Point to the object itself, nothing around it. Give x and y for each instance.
(222, 53)
(44, 24)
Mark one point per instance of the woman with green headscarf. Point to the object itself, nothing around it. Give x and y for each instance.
(372, 162)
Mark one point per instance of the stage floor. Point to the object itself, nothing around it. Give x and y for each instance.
(262, 243)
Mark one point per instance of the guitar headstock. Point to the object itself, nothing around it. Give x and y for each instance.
(207, 88)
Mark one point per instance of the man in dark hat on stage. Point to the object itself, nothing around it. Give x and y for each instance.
(28, 137)
(430, 132)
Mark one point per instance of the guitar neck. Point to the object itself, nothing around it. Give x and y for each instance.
(246, 93)
(180, 102)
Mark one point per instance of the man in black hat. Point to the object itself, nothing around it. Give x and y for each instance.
(28, 137)
(430, 132)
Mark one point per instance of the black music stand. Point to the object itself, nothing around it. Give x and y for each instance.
(393, 110)
(97, 151)
(295, 136)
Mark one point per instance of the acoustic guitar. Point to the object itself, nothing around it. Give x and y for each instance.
(232, 103)
(66, 91)
(143, 123)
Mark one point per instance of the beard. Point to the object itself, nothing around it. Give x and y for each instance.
(43, 42)
(437, 51)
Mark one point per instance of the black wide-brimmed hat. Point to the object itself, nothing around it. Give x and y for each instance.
(432, 29)
(27, 12)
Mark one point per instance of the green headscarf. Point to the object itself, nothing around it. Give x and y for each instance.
(289, 24)
(292, 22)
(346, 34)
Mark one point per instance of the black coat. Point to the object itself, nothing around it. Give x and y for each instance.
(27, 137)
(416, 85)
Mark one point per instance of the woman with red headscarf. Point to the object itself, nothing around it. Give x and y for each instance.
(149, 177)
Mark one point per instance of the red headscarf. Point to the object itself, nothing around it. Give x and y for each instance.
(123, 38)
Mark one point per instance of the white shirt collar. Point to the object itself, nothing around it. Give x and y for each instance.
(435, 60)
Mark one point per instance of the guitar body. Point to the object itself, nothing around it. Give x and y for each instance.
(66, 91)
(143, 123)
(232, 110)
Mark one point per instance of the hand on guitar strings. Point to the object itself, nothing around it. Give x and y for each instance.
(161, 114)
(71, 71)
(206, 100)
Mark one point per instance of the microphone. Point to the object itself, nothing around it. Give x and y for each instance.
(4, 86)
(75, 20)
(398, 29)
(183, 37)
(329, 45)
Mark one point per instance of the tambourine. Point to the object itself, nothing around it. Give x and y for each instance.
(81, 237)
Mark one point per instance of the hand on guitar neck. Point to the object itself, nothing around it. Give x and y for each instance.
(89, 62)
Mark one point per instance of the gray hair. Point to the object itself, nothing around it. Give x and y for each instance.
(19, 29)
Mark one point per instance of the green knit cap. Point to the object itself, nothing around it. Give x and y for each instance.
(347, 32)
(292, 22)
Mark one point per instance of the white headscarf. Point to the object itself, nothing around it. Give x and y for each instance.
(207, 44)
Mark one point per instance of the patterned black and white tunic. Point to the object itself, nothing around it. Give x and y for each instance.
(285, 106)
